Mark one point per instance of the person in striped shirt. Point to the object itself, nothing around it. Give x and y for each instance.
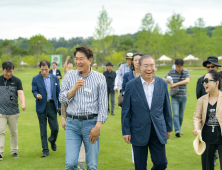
(85, 91)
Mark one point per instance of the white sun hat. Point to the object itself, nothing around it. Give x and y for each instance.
(198, 144)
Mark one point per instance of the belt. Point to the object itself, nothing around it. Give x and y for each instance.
(86, 117)
(50, 101)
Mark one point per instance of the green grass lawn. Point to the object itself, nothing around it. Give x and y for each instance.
(115, 154)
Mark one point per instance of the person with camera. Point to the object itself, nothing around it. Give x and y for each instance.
(10, 90)
(181, 78)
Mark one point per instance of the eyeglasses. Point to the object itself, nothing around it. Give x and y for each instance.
(134, 54)
(206, 80)
(78, 59)
(210, 66)
(147, 66)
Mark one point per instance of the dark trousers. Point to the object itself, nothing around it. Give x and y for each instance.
(207, 158)
(51, 114)
(157, 151)
(112, 100)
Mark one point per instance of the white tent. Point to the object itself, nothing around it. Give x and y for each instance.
(164, 58)
(220, 58)
(190, 57)
(23, 63)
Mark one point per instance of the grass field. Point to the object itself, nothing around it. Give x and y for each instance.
(115, 154)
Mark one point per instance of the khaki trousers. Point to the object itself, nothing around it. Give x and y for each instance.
(82, 154)
(119, 88)
(11, 120)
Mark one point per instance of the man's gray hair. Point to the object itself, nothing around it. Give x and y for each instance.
(146, 56)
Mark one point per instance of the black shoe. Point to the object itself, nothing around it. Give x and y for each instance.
(53, 146)
(1, 158)
(15, 155)
(45, 154)
(112, 114)
(177, 134)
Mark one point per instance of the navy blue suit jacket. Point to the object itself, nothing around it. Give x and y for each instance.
(38, 87)
(137, 116)
(127, 77)
(200, 90)
(58, 73)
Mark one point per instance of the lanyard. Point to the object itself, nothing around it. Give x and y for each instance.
(6, 87)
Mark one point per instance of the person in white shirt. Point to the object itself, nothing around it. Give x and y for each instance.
(55, 71)
(124, 68)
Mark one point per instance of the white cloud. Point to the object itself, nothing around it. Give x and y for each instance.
(71, 18)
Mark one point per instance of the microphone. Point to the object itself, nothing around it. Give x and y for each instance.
(80, 74)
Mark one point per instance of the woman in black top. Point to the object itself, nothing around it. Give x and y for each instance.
(208, 117)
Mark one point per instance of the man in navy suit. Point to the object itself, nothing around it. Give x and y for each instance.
(45, 88)
(55, 71)
(146, 116)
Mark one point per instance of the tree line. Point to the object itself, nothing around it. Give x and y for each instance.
(175, 42)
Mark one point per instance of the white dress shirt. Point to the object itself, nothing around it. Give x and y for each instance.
(124, 68)
(54, 72)
(148, 90)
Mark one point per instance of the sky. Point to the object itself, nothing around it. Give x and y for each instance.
(72, 18)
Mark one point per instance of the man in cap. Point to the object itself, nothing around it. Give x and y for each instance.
(110, 79)
(211, 64)
(124, 68)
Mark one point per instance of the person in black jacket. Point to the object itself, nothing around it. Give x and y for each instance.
(110, 79)
(55, 71)
(211, 64)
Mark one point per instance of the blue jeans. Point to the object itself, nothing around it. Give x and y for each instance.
(178, 106)
(76, 132)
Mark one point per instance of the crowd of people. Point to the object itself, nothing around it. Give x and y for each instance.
(82, 100)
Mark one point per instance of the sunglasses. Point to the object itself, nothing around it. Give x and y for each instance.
(210, 66)
(134, 54)
(206, 80)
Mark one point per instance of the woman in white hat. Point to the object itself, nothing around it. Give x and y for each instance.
(208, 118)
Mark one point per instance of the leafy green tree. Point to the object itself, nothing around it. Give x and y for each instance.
(63, 51)
(21, 43)
(217, 40)
(126, 44)
(30, 60)
(101, 36)
(144, 36)
(7, 47)
(156, 45)
(36, 44)
(175, 35)
(201, 40)
(116, 57)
